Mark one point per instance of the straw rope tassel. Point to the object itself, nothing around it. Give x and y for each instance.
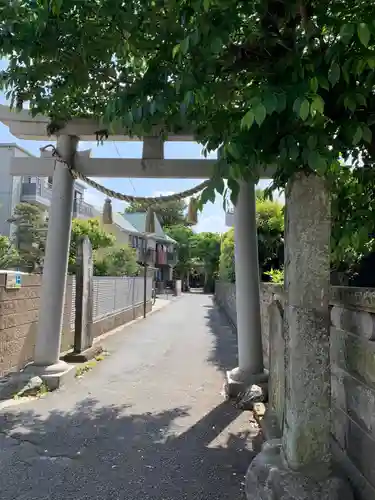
(150, 221)
(107, 212)
(192, 215)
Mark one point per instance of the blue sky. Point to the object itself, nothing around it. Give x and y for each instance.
(211, 219)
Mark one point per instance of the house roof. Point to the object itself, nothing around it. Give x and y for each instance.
(123, 223)
(138, 220)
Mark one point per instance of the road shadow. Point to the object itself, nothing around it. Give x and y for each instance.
(96, 452)
(224, 351)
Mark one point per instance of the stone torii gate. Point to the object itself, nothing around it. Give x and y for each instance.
(22, 125)
(298, 466)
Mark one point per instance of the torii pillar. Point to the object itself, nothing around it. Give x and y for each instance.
(250, 368)
(47, 363)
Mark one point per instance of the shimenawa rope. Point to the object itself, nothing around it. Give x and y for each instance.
(110, 193)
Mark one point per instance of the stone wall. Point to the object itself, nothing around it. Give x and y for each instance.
(352, 351)
(225, 295)
(19, 309)
(353, 384)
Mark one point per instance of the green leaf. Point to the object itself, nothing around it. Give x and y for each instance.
(176, 50)
(367, 134)
(297, 105)
(219, 185)
(346, 32)
(318, 104)
(56, 6)
(206, 5)
(234, 188)
(283, 154)
(334, 74)
(270, 102)
(208, 194)
(281, 102)
(360, 66)
(189, 98)
(317, 162)
(195, 37)
(361, 99)
(363, 34)
(314, 84)
(294, 152)
(304, 110)
(217, 45)
(184, 45)
(323, 82)
(357, 135)
(260, 114)
(312, 142)
(350, 104)
(233, 150)
(248, 120)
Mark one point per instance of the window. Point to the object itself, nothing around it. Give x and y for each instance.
(78, 196)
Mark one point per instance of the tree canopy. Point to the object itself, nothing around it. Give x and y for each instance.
(119, 261)
(170, 213)
(270, 229)
(279, 82)
(183, 235)
(9, 256)
(98, 237)
(272, 81)
(30, 235)
(205, 251)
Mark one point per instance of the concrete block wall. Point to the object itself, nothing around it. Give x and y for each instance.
(18, 321)
(19, 310)
(353, 385)
(352, 352)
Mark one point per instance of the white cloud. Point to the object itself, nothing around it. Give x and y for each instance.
(210, 224)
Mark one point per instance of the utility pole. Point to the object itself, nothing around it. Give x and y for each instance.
(145, 278)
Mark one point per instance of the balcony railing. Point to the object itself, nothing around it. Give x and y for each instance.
(149, 256)
(81, 208)
(41, 194)
(33, 192)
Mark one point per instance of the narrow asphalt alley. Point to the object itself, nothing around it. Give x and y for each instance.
(149, 422)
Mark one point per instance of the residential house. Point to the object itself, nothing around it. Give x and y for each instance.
(162, 249)
(30, 189)
(124, 232)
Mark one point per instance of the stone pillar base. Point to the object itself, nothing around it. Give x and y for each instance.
(239, 381)
(54, 375)
(269, 478)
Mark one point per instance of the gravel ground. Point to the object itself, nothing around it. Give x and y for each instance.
(147, 423)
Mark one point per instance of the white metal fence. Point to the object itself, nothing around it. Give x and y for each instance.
(114, 294)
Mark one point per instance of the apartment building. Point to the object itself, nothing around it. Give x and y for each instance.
(28, 189)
